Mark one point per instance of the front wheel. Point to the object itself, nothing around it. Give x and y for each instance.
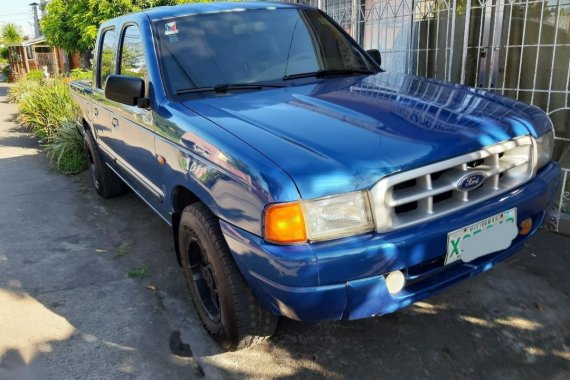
(226, 305)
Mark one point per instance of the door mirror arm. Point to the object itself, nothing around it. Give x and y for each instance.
(144, 103)
(375, 55)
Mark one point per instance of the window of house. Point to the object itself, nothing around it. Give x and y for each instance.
(107, 56)
(42, 49)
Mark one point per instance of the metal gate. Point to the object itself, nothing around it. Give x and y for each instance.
(519, 48)
(523, 51)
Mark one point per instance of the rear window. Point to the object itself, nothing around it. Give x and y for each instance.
(107, 54)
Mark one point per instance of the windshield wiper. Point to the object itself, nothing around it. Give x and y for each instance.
(324, 73)
(221, 88)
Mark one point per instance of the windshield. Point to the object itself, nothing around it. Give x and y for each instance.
(253, 46)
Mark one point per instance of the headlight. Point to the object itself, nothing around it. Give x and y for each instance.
(544, 145)
(339, 216)
(319, 219)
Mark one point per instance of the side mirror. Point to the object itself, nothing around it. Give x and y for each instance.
(375, 55)
(124, 89)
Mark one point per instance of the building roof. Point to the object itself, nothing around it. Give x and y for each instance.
(35, 41)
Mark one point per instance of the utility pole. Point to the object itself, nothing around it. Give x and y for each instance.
(43, 4)
(37, 32)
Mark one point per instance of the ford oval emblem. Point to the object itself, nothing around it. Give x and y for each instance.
(471, 181)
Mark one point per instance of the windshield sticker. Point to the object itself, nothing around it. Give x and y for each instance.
(170, 29)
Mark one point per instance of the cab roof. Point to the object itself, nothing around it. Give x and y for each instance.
(166, 12)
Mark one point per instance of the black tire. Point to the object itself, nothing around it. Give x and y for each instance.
(104, 180)
(225, 304)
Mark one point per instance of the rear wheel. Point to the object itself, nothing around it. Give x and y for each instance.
(106, 183)
(226, 305)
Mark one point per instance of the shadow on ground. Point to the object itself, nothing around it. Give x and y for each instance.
(511, 322)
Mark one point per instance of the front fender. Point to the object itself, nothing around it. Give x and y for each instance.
(234, 180)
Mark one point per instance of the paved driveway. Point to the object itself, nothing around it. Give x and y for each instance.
(68, 309)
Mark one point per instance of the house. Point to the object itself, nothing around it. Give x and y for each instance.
(36, 54)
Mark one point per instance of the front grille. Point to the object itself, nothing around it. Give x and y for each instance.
(422, 194)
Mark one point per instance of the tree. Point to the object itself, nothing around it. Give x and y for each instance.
(11, 33)
(73, 24)
(3, 55)
(65, 25)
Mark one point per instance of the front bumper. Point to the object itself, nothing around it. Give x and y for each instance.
(344, 279)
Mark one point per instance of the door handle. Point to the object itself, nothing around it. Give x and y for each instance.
(115, 122)
(96, 111)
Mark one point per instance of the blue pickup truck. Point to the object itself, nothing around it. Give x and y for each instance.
(299, 178)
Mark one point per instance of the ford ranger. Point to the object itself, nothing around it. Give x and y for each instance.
(301, 179)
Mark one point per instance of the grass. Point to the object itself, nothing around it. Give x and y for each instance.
(124, 250)
(65, 150)
(36, 75)
(79, 74)
(138, 273)
(21, 89)
(47, 108)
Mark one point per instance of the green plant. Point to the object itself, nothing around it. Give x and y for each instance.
(4, 53)
(124, 250)
(45, 109)
(80, 74)
(21, 89)
(36, 75)
(6, 71)
(139, 273)
(73, 25)
(11, 33)
(65, 150)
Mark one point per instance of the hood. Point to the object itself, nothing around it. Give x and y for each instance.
(344, 134)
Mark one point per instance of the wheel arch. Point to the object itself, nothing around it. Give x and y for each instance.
(84, 126)
(181, 196)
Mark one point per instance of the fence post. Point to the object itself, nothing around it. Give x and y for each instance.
(465, 39)
(452, 43)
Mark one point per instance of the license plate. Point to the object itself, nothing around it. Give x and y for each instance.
(482, 238)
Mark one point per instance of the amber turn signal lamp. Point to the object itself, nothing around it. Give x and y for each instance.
(285, 224)
(525, 227)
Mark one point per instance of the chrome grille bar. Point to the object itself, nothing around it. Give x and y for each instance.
(425, 193)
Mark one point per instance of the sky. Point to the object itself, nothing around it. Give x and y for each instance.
(18, 12)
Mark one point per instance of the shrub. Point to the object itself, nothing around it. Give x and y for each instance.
(21, 89)
(80, 74)
(65, 150)
(4, 53)
(36, 75)
(46, 108)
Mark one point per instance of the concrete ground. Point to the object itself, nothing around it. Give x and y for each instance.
(68, 309)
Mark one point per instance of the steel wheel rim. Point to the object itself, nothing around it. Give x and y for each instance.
(201, 273)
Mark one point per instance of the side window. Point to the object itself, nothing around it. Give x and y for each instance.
(107, 57)
(132, 54)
